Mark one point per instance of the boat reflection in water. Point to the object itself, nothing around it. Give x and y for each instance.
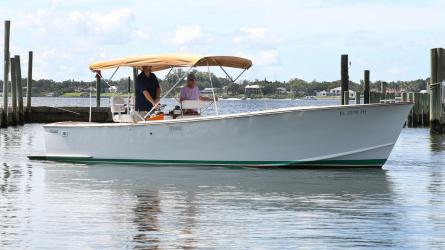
(184, 207)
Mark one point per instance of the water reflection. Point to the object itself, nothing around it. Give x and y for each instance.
(146, 219)
(185, 206)
(437, 142)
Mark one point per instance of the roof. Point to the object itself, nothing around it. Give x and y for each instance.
(252, 87)
(161, 62)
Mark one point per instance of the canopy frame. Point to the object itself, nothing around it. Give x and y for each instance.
(187, 60)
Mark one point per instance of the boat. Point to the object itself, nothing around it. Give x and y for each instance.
(360, 135)
(309, 98)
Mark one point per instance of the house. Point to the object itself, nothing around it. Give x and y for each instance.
(337, 92)
(112, 89)
(281, 90)
(252, 90)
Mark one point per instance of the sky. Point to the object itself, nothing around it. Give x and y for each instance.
(284, 38)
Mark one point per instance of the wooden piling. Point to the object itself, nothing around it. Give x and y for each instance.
(135, 76)
(404, 96)
(416, 110)
(366, 87)
(29, 85)
(4, 111)
(383, 90)
(357, 97)
(426, 109)
(18, 76)
(14, 114)
(374, 97)
(344, 78)
(437, 76)
(346, 98)
(410, 116)
(98, 90)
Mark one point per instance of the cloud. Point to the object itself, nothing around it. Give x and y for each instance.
(187, 34)
(267, 58)
(252, 34)
(255, 33)
(117, 22)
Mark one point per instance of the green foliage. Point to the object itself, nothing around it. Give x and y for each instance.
(294, 87)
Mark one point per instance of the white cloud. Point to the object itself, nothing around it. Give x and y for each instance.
(102, 23)
(267, 58)
(187, 34)
(252, 34)
(255, 33)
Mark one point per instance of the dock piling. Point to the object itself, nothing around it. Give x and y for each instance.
(29, 85)
(4, 111)
(437, 76)
(14, 113)
(346, 98)
(366, 87)
(18, 77)
(344, 78)
(383, 90)
(404, 96)
(357, 97)
(135, 76)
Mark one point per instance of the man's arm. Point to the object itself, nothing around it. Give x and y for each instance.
(148, 97)
(158, 91)
(158, 94)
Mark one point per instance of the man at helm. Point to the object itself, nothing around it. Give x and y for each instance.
(148, 91)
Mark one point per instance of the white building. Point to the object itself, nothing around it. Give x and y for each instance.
(281, 90)
(337, 92)
(112, 89)
(252, 90)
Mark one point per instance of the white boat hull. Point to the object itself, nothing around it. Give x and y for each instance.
(353, 135)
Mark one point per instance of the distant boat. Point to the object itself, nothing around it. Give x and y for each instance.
(309, 98)
(324, 136)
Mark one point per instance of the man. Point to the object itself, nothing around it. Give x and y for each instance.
(191, 92)
(148, 91)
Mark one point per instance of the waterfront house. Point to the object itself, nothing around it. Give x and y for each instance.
(252, 90)
(337, 92)
(281, 90)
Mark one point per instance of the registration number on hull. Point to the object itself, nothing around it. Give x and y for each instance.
(353, 112)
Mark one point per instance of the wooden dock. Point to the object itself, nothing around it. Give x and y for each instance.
(45, 114)
(60, 114)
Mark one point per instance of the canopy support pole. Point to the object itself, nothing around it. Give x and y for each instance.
(231, 79)
(240, 74)
(91, 104)
(213, 91)
(111, 77)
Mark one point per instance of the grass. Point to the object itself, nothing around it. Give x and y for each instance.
(71, 94)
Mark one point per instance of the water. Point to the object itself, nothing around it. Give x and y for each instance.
(57, 205)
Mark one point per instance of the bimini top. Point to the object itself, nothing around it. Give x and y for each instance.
(161, 62)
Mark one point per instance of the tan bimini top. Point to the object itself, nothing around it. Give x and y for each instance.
(161, 62)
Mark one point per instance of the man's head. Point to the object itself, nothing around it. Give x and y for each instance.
(191, 80)
(146, 69)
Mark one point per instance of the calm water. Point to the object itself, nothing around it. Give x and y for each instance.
(55, 205)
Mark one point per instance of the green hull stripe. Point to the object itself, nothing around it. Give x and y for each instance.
(371, 162)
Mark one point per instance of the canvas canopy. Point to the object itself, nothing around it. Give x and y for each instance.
(161, 62)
